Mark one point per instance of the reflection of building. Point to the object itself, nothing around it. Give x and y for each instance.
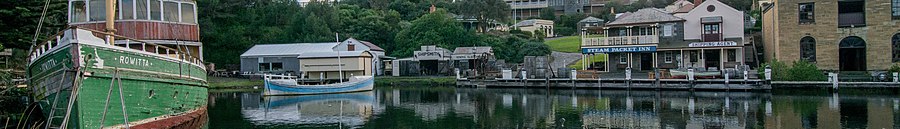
(846, 35)
(536, 25)
(709, 37)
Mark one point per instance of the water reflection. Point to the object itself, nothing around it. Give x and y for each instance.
(538, 108)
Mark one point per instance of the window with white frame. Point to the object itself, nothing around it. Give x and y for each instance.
(126, 9)
(97, 10)
(623, 59)
(78, 11)
(140, 9)
(668, 30)
(669, 56)
(155, 10)
(187, 13)
(170, 12)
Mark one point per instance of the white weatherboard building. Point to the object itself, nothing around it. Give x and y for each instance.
(304, 58)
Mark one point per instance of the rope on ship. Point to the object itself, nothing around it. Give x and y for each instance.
(115, 78)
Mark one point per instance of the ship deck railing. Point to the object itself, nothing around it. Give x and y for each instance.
(44, 47)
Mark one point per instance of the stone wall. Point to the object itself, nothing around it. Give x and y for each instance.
(787, 33)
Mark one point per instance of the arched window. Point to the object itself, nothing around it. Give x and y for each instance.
(896, 46)
(808, 49)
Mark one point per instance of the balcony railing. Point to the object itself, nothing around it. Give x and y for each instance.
(619, 40)
(528, 5)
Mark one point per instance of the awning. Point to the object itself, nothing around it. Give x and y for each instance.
(716, 19)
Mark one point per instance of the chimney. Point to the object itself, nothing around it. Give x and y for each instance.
(697, 2)
(432, 9)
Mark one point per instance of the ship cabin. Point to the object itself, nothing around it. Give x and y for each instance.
(170, 23)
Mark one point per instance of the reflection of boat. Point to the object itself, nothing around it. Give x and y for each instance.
(347, 109)
(683, 73)
(287, 85)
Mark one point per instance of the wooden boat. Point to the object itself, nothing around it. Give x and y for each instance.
(140, 76)
(683, 73)
(287, 85)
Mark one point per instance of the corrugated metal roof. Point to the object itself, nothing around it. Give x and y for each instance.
(646, 15)
(591, 19)
(470, 50)
(330, 54)
(292, 49)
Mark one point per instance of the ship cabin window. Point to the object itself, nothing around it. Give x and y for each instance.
(97, 10)
(140, 9)
(126, 9)
(851, 13)
(78, 11)
(155, 10)
(170, 11)
(187, 13)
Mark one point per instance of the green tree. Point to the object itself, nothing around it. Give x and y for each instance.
(548, 14)
(431, 29)
(21, 18)
(484, 11)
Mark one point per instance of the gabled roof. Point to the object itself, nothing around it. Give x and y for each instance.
(292, 49)
(645, 16)
(330, 54)
(685, 9)
(470, 50)
(591, 19)
(530, 22)
(372, 46)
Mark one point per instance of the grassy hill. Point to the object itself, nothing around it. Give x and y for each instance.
(570, 44)
(596, 58)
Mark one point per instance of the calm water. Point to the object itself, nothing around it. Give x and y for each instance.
(427, 108)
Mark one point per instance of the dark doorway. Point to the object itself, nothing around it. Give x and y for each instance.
(853, 54)
(646, 61)
(429, 67)
(712, 58)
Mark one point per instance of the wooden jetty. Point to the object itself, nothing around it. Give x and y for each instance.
(637, 84)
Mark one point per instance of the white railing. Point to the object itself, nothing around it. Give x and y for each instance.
(528, 5)
(619, 40)
(59, 39)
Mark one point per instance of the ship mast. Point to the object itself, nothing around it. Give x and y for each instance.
(110, 21)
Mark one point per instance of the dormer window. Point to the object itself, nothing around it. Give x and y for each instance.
(351, 47)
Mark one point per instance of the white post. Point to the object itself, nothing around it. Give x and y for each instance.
(896, 77)
(690, 76)
(834, 84)
(574, 74)
(726, 78)
(768, 73)
(524, 75)
(340, 65)
(746, 75)
(628, 73)
(457, 73)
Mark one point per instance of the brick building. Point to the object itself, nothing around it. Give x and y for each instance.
(845, 35)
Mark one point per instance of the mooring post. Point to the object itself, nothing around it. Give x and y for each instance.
(628, 76)
(727, 87)
(599, 83)
(574, 77)
(834, 81)
(896, 77)
(656, 76)
(456, 70)
(690, 78)
(768, 74)
(524, 79)
(746, 76)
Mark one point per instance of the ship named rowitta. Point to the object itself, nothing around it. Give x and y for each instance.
(122, 64)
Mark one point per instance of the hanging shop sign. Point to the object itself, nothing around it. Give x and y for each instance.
(619, 49)
(713, 44)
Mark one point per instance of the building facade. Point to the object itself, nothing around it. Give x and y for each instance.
(844, 35)
(302, 58)
(533, 25)
(707, 38)
(523, 9)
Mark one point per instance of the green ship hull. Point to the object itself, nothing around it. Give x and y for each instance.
(80, 79)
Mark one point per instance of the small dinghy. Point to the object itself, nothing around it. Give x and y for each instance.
(287, 85)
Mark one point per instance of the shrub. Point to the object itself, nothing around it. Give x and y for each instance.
(894, 68)
(799, 71)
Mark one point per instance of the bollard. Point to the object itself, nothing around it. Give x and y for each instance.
(574, 74)
(524, 75)
(690, 76)
(768, 73)
(834, 80)
(457, 73)
(746, 75)
(726, 78)
(896, 77)
(628, 73)
(599, 83)
(656, 76)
